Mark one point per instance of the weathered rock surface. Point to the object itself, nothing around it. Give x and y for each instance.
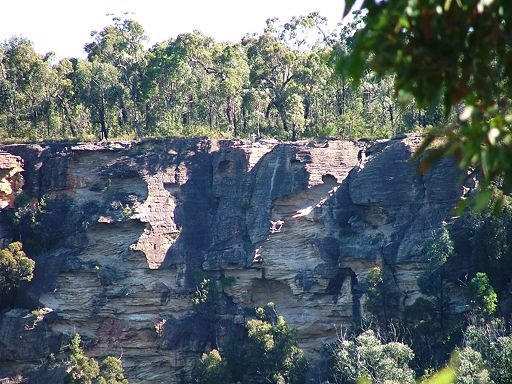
(139, 223)
(11, 183)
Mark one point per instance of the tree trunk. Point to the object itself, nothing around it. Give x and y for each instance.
(235, 126)
(146, 118)
(284, 117)
(244, 119)
(392, 119)
(124, 111)
(67, 115)
(103, 124)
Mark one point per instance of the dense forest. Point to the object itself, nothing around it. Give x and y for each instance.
(281, 83)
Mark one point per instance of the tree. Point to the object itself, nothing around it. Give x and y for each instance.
(438, 250)
(483, 298)
(81, 369)
(268, 355)
(167, 89)
(491, 238)
(273, 355)
(66, 100)
(274, 68)
(26, 83)
(456, 52)
(86, 370)
(232, 73)
(111, 371)
(495, 347)
(15, 267)
(471, 368)
(195, 81)
(366, 357)
(99, 91)
(121, 45)
(211, 369)
(382, 295)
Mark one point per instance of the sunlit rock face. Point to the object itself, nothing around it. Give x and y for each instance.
(135, 227)
(11, 183)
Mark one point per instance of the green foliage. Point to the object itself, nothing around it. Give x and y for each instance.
(447, 375)
(382, 296)
(40, 224)
(433, 330)
(367, 357)
(111, 371)
(495, 347)
(272, 352)
(468, 67)
(25, 210)
(374, 280)
(280, 84)
(471, 368)
(438, 250)
(206, 299)
(269, 354)
(204, 292)
(211, 369)
(491, 239)
(483, 298)
(86, 370)
(15, 267)
(81, 369)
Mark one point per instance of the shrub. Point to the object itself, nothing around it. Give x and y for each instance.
(211, 369)
(483, 298)
(367, 358)
(272, 348)
(471, 368)
(268, 355)
(86, 370)
(15, 266)
(495, 346)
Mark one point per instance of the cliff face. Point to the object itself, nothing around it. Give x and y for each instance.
(130, 229)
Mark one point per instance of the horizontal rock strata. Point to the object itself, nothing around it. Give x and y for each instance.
(135, 226)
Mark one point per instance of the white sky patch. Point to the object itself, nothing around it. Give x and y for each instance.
(64, 26)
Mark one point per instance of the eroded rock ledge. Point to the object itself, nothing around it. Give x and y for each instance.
(299, 224)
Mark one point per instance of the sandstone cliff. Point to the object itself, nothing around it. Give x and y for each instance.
(129, 228)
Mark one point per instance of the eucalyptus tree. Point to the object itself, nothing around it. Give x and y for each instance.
(197, 81)
(197, 51)
(316, 85)
(254, 106)
(99, 91)
(121, 45)
(180, 91)
(66, 100)
(275, 68)
(167, 87)
(26, 78)
(232, 72)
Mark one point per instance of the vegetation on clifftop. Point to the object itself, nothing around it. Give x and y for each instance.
(281, 83)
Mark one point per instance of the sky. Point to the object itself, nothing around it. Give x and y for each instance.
(64, 26)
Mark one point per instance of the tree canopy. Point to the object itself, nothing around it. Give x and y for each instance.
(82, 369)
(279, 83)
